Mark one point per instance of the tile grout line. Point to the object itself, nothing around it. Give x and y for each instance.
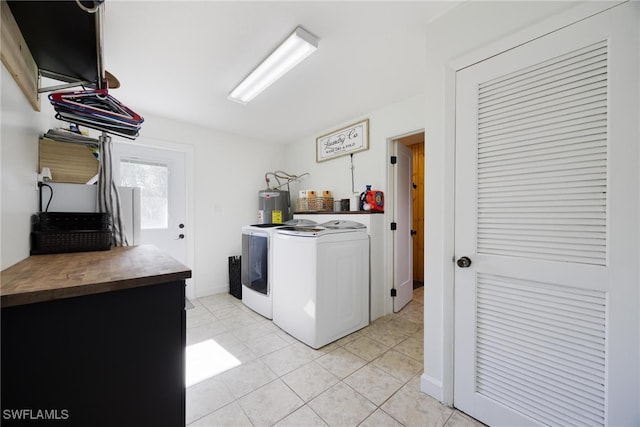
(369, 363)
(232, 306)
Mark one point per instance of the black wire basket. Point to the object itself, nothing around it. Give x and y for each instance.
(51, 242)
(85, 221)
(60, 232)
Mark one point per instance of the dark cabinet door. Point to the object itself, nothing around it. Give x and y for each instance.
(110, 359)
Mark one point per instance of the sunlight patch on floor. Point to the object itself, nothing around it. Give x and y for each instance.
(207, 359)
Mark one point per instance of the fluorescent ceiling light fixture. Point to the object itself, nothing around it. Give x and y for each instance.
(290, 53)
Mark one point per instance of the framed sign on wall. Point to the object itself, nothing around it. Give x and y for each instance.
(349, 139)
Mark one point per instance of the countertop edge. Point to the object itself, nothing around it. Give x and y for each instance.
(155, 268)
(24, 298)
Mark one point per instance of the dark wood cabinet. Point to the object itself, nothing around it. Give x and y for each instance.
(114, 358)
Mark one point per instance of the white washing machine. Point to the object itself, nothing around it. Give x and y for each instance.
(256, 264)
(322, 276)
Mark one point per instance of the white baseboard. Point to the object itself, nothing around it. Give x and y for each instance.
(431, 386)
(204, 291)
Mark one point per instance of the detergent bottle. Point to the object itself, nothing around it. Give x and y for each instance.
(372, 200)
(375, 200)
(363, 199)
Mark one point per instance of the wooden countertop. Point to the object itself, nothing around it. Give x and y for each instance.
(48, 277)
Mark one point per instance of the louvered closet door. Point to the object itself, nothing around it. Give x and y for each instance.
(546, 316)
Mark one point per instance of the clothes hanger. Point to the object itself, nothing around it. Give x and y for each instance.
(97, 109)
(96, 102)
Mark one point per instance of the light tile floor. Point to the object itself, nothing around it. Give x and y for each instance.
(369, 378)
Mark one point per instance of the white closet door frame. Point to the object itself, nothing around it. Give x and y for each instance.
(443, 388)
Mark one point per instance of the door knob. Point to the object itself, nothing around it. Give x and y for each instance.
(180, 236)
(463, 262)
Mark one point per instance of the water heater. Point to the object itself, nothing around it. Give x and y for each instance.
(273, 206)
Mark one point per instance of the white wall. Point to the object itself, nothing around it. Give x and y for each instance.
(370, 167)
(224, 174)
(20, 129)
(464, 31)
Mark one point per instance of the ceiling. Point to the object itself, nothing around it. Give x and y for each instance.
(180, 59)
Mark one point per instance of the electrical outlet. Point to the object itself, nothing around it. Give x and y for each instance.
(37, 186)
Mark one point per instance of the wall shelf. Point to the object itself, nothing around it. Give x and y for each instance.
(54, 39)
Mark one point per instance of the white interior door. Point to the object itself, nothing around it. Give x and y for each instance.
(162, 178)
(403, 213)
(546, 315)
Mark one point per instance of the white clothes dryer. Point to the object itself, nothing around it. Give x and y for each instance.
(322, 276)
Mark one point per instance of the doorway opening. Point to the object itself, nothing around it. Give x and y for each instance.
(405, 206)
(415, 143)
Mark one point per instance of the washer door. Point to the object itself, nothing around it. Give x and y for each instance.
(254, 267)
